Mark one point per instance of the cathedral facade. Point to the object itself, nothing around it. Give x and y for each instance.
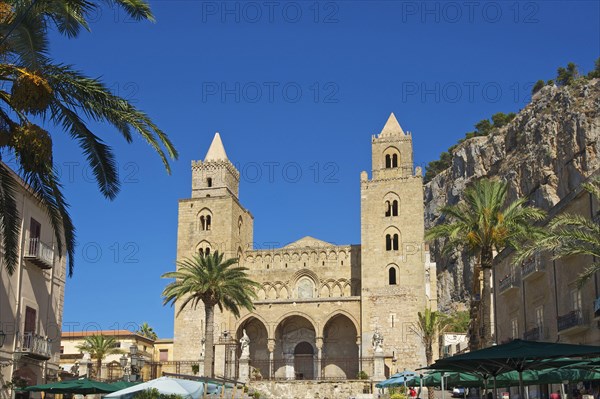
(322, 309)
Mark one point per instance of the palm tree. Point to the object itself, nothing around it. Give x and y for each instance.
(147, 331)
(65, 100)
(99, 346)
(569, 235)
(214, 282)
(480, 225)
(429, 327)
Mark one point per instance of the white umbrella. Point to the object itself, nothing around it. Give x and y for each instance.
(186, 388)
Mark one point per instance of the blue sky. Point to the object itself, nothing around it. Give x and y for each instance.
(296, 89)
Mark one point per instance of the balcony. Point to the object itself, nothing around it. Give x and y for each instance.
(533, 267)
(572, 322)
(509, 283)
(537, 333)
(34, 346)
(39, 253)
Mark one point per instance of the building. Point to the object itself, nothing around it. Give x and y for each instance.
(319, 304)
(72, 359)
(539, 299)
(31, 300)
(453, 343)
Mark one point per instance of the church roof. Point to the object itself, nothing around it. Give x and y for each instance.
(308, 241)
(216, 152)
(392, 127)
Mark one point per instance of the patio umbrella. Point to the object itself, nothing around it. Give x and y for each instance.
(83, 386)
(169, 386)
(517, 355)
(397, 379)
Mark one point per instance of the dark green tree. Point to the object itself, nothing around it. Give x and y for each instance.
(480, 225)
(566, 76)
(210, 280)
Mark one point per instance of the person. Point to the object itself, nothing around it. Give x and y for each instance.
(555, 395)
(413, 393)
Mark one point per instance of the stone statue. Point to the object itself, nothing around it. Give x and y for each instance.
(245, 344)
(377, 340)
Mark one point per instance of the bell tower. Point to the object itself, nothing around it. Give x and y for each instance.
(212, 219)
(392, 248)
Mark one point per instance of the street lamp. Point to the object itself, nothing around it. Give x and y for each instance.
(136, 362)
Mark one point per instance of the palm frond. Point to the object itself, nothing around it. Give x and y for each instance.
(9, 219)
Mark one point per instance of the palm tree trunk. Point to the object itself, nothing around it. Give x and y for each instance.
(487, 258)
(209, 332)
(429, 358)
(99, 368)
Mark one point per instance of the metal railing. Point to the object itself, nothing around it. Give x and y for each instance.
(40, 253)
(509, 281)
(533, 334)
(35, 345)
(572, 319)
(532, 265)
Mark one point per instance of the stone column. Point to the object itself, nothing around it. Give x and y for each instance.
(244, 369)
(379, 366)
(319, 345)
(271, 348)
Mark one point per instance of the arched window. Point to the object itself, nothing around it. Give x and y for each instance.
(388, 208)
(201, 251)
(392, 280)
(202, 223)
(394, 208)
(208, 220)
(207, 251)
(394, 160)
(209, 182)
(240, 225)
(395, 242)
(388, 242)
(306, 288)
(388, 161)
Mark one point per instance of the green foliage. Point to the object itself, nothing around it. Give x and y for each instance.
(596, 72)
(501, 119)
(147, 331)
(256, 395)
(537, 86)
(570, 235)
(195, 368)
(457, 321)
(362, 375)
(212, 281)
(397, 395)
(153, 393)
(566, 76)
(550, 82)
(38, 89)
(99, 346)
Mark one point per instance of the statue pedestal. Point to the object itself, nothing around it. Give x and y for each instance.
(244, 375)
(379, 366)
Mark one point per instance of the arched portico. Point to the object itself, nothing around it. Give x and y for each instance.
(340, 348)
(257, 332)
(295, 349)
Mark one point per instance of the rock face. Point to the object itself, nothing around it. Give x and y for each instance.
(545, 152)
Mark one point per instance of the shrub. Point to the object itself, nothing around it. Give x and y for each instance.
(195, 368)
(362, 375)
(537, 86)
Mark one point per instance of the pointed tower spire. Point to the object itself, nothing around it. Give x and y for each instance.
(216, 152)
(392, 127)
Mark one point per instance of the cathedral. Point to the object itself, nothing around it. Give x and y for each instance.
(323, 310)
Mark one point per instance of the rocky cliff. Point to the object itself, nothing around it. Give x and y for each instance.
(546, 151)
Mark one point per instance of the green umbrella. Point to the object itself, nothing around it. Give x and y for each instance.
(123, 384)
(81, 386)
(517, 355)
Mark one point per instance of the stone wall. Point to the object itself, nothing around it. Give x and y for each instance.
(313, 389)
